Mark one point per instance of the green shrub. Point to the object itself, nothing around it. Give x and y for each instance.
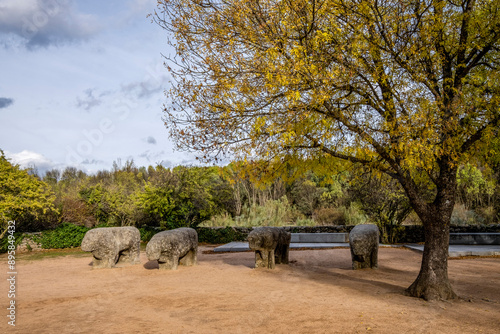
(220, 235)
(64, 236)
(391, 234)
(488, 214)
(4, 242)
(303, 221)
(221, 220)
(147, 233)
(353, 215)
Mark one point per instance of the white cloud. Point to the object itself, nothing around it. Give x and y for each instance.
(29, 159)
(41, 23)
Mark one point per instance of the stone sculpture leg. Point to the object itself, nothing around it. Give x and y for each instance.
(104, 258)
(125, 256)
(359, 262)
(130, 255)
(190, 259)
(264, 259)
(107, 262)
(281, 254)
(374, 258)
(168, 262)
(369, 260)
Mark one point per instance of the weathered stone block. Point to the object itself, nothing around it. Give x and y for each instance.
(172, 247)
(112, 245)
(271, 246)
(363, 241)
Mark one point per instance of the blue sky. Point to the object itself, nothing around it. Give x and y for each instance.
(82, 84)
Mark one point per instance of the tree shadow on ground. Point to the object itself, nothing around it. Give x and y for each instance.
(332, 267)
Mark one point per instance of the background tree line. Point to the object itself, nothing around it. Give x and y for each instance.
(169, 198)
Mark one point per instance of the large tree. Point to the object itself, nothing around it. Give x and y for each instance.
(406, 87)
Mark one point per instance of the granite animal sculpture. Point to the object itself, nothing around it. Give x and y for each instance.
(271, 246)
(363, 241)
(172, 247)
(112, 245)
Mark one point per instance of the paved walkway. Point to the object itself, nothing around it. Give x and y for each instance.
(465, 250)
(454, 250)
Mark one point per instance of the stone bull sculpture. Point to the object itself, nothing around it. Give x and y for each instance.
(112, 245)
(172, 247)
(271, 246)
(363, 241)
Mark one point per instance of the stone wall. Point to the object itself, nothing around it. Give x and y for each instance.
(405, 233)
(492, 228)
(27, 244)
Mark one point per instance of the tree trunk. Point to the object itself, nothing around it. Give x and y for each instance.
(432, 282)
(237, 199)
(4, 232)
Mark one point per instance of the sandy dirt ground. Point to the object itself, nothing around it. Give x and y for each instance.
(317, 293)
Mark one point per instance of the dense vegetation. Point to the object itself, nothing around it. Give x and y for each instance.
(24, 198)
(223, 196)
